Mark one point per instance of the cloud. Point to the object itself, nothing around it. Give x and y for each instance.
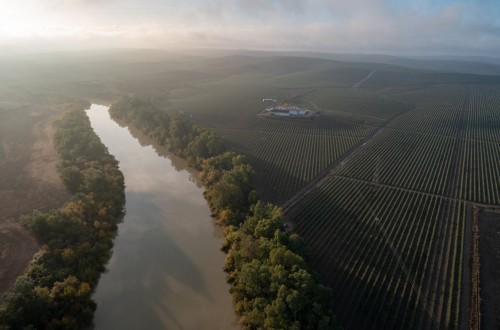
(262, 7)
(381, 26)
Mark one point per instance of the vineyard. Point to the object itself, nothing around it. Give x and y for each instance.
(428, 148)
(381, 185)
(291, 153)
(409, 160)
(387, 226)
(359, 105)
(388, 254)
(387, 229)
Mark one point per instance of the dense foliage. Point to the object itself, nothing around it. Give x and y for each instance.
(55, 292)
(271, 283)
(175, 131)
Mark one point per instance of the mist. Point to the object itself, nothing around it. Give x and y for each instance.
(381, 27)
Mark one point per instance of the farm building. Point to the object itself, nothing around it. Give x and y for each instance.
(289, 111)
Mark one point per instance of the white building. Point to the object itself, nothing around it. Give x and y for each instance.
(289, 111)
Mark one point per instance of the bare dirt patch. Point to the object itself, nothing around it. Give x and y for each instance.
(489, 248)
(28, 181)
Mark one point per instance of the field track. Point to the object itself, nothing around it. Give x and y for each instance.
(336, 165)
(360, 83)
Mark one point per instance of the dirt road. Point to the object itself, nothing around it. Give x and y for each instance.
(360, 83)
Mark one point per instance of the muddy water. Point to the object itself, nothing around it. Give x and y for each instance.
(166, 269)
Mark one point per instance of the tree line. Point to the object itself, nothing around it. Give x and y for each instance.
(271, 283)
(174, 131)
(55, 292)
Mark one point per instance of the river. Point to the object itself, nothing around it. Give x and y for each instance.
(166, 268)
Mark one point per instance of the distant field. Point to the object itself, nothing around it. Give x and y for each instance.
(223, 105)
(355, 104)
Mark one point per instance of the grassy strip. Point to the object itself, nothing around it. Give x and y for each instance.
(55, 292)
(272, 285)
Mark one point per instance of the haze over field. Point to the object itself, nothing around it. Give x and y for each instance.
(380, 26)
(347, 155)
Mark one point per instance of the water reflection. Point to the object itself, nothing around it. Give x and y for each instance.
(177, 163)
(166, 269)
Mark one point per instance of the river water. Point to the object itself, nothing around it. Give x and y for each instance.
(166, 269)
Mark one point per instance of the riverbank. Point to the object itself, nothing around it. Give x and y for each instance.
(55, 291)
(271, 284)
(166, 268)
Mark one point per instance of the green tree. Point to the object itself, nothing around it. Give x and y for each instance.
(25, 305)
(72, 177)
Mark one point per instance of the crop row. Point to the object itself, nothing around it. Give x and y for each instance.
(392, 257)
(286, 161)
(410, 160)
(484, 115)
(438, 120)
(435, 96)
(442, 115)
(393, 253)
(479, 175)
(357, 103)
(479, 179)
(322, 125)
(446, 150)
(436, 111)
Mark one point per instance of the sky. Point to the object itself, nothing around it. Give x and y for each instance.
(405, 27)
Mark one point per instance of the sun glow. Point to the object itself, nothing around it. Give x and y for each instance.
(323, 25)
(18, 20)
(26, 19)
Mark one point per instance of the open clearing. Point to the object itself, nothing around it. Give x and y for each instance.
(29, 180)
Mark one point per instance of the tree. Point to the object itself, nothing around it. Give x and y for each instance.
(72, 177)
(72, 301)
(25, 305)
(225, 195)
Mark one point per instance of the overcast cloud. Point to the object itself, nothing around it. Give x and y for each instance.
(375, 26)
